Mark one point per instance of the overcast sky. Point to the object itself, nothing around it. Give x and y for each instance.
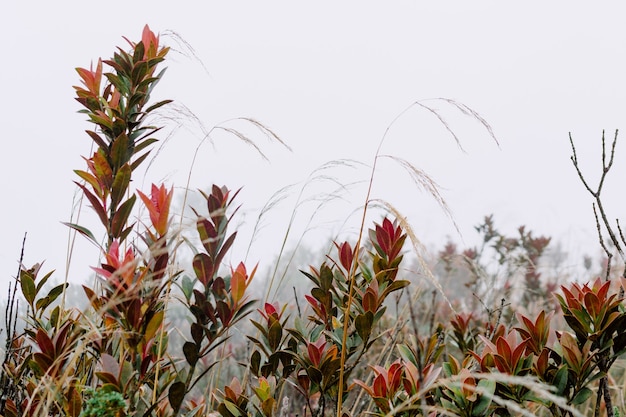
(329, 78)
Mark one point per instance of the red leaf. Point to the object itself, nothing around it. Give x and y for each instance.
(45, 343)
(370, 301)
(238, 283)
(504, 349)
(380, 386)
(95, 204)
(204, 268)
(102, 169)
(315, 355)
(346, 256)
(97, 139)
(395, 376)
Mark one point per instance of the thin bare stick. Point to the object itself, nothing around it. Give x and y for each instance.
(609, 255)
(598, 208)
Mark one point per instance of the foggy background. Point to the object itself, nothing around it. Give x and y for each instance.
(328, 79)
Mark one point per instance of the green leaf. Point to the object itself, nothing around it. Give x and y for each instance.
(157, 78)
(95, 204)
(268, 406)
(135, 102)
(315, 374)
(582, 396)
(43, 280)
(363, 324)
(407, 354)
(143, 142)
(244, 310)
(54, 315)
(126, 232)
(140, 70)
(560, 380)
(96, 138)
(108, 378)
(119, 82)
(232, 408)
(90, 179)
(396, 285)
(255, 363)
(153, 325)
(187, 287)
(486, 387)
(311, 277)
(157, 105)
(259, 344)
(103, 122)
(320, 295)
(104, 173)
(120, 185)
(121, 216)
(329, 369)
(326, 278)
(190, 349)
(139, 160)
(260, 327)
(127, 372)
(42, 303)
(93, 298)
(138, 53)
(52, 295)
(447, 369)
(275, 335)
(27, 283)
(225, 247)
(197, 333)
(82, 230)
(176, 394)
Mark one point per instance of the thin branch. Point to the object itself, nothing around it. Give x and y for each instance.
(598, 208)
(11, 325)
(608, 402)
(608, 253)
(574, 159)
(621, 233)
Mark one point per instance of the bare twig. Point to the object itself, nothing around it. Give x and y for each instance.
(11, 325)
(434, 312)
(295, 296)
(609, 254)
(598, 208)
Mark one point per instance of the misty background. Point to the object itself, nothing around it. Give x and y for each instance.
(329, 79)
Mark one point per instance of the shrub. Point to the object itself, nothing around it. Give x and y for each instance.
(345, 355)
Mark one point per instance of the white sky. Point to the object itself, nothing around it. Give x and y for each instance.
(329, 78)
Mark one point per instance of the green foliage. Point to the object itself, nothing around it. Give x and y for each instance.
(104, 403)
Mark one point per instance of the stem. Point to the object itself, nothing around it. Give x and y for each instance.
(10, 324)
(420, 365)
(352, 278)
(607, 396)
(352, 275)
(434, 313)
